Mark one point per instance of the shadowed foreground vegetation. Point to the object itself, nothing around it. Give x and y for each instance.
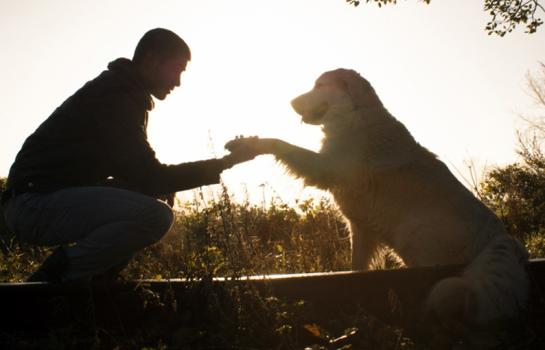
(219, 237)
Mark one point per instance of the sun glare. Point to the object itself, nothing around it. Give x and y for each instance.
(443, 81)
(208, 111)
(230, 89)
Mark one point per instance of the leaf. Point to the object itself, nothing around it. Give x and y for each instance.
(314, 329)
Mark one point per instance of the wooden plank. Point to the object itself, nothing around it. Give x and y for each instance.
(395, 296)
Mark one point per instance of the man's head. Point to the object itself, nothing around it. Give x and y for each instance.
(161, 56)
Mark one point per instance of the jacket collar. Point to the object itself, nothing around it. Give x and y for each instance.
(127, 69)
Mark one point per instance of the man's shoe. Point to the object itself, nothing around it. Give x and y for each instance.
(52, 268)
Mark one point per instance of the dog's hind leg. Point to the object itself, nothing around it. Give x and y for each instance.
(491, 293)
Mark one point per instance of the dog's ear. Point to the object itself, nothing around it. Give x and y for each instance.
(362, 93)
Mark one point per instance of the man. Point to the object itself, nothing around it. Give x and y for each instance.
(88, 176)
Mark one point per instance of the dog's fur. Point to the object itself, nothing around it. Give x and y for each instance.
(395, 192)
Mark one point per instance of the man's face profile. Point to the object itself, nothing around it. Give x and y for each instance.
(164, 75)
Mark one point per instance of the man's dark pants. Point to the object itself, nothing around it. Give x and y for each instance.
(107, 225)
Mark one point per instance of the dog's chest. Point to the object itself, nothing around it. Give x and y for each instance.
(363, 205)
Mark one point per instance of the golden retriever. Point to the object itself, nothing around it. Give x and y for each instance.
(395, 192)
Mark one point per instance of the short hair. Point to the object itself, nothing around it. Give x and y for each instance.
(162, 43)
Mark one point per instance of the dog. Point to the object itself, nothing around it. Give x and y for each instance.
(394, 192)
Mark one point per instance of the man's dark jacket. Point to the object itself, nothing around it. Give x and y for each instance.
(100, 133)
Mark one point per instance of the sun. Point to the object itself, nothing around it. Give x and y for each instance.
(213, 106)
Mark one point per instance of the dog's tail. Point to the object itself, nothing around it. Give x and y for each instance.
(493, 288)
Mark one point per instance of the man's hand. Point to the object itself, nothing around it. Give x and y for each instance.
(242, 149)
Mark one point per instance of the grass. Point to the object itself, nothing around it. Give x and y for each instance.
(220, 237)
(223, 238)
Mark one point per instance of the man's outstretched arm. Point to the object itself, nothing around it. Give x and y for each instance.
(133, 160)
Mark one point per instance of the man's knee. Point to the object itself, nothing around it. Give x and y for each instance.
(162, 219)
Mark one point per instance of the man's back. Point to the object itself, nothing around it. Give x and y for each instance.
(71, 148)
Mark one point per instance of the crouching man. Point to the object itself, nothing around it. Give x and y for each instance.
(87, 179)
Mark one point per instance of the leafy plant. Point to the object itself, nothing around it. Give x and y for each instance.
(505, 14)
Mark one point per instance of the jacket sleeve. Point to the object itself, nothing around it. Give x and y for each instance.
(133, 160)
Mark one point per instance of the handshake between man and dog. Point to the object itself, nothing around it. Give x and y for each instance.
(394, 192)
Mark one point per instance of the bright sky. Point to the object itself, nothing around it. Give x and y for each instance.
(458, 90)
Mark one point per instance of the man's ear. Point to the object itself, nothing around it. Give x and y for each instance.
(148, 62)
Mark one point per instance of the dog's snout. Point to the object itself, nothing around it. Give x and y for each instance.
(298, 105)
(309, 109)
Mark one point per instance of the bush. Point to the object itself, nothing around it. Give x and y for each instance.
(516, 192)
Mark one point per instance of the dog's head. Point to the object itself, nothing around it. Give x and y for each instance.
(336, 93)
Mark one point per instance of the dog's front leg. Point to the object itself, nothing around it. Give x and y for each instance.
(363, 249)
(314, 168)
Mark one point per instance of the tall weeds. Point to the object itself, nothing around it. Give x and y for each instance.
(220, 237)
